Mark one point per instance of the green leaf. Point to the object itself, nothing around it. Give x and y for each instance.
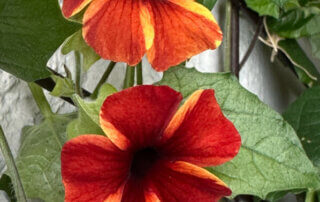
(304, 116)
(306, 70)
(296, 23)
(38, 160)
(208, 3)
(64, 87)
(77, 43)
(270, 7)
(31, 31)
(315, 44)
(7, 186)
(12, 168)
(88, 120)
(271, 157)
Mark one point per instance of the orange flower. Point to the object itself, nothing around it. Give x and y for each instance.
(169, 31)
(152, 151)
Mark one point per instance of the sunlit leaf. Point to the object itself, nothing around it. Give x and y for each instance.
(88, 119)
(271, 157)
(38, 160)
(77, 43)
(64, 87)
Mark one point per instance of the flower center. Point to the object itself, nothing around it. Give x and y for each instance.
(143, 161)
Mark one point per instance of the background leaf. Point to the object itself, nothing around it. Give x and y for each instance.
(77, 43)
(88, 120)
(38, 160)
(208, 3)
(296, 23)
(304, 116)
(271, 157)
(306, 70)
(270, 7)
(31, 31)
(315, 44)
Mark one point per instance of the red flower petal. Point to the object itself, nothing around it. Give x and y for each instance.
(93, 169)
(200, 134)
(72, 7)
(183, 28)
(113, 29)
(134, 191)
(181, 181)
(135, 117)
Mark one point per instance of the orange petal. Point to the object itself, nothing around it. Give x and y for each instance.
(181, 181)
(183, 28)
(72, 7)
(116, 29)
(93, 169)
(136, 117)
(199, 133)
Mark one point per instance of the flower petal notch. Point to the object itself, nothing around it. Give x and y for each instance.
(153, 150)
(168, 31)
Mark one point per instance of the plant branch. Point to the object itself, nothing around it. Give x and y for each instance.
(12, 168)
(139, 74)
(235, 34)
(310, 196)
(78, 73)
(129, 78)
(40, 99)
(227, 38)
(103, 79)
(253, 42)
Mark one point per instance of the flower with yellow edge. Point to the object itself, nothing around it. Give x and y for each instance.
(168, 31)
(152, 151)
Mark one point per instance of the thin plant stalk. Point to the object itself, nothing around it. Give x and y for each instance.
(310, 196)
(103, 79)
(139, 74)
(235, 42)
(12, 168)
(227, 38)
(40, 99)
(129, 78)
(78, 73)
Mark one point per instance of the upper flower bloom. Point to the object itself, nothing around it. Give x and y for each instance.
(169, 31)
(152, 151)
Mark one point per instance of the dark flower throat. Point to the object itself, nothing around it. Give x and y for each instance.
(142, 161)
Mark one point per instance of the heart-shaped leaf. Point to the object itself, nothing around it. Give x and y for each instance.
(271, 157)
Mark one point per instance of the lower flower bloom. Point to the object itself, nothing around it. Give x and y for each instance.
(153, 151)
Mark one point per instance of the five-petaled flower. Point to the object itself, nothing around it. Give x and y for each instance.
(168, 31)
(152, 150)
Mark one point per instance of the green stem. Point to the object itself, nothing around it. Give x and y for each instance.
(311, 196)
(129, 79)
(41, 100)
(103, 79)
(12, 168)
(78, 73)
(139, 74)
(227, 38)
